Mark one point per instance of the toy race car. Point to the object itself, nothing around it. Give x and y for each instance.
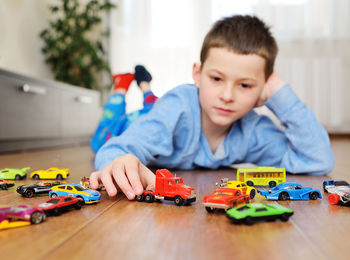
(5, 184)
(20, 216)
(290, 191)
(30, 190)
(254, 212)
(51, 173)
(59, 204)
(339, 195)
(85, 182)
(244, 188)
(13, 174)
(224, 198)
(334, 183)
(75, 190)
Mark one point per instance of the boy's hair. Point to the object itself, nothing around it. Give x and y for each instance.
(242, 35)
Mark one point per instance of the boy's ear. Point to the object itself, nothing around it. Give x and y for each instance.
(196, 74)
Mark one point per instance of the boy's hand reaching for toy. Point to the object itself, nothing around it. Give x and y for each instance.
(125, 173)
(272, 85)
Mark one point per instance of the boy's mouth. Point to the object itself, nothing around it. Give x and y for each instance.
(223, 111)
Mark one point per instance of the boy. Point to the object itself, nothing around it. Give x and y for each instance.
(212, 124)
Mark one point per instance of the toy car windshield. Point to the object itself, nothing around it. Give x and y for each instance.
(53, 201)
(243, 208)
(341, 183)
(80, 188)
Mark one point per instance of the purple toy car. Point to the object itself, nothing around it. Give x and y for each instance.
(20, 216)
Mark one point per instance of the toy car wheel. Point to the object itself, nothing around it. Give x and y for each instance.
(149, 198)
(250, 183)
(29, 193)
(333, 198)
(83, 201)
(53, 195)
(272, 184)
(37, 217)
(36, 177)
(78, 205)
(283, 196)
(140, 197)
(249, 221)
(313, 195)
(59, 177)
(56, 211)
(284, 217)
(324, 187)
(210, 209)
(17, 177)
(3, 187)
(178, 200)
(252, 194)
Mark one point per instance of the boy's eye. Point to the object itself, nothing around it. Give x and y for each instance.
(245, 85)
(216, 78)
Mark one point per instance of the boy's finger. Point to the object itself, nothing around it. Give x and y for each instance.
(132, 173)
(148, 177)
(94, 180)
(107, 181)
(122, 181)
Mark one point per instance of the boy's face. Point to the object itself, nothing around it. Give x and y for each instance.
(230, 85)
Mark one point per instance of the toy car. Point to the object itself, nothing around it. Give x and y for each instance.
(51, 173)
(30, 190)
(339, 195)
(290, 191)
(60, 203)
(224, 198)
(13, 174)
(20, 216)
(334, 183)
(75, 190)
(255, 212)
(5, 184)
(244, 188)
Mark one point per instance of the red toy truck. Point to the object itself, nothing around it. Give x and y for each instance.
(169, 187)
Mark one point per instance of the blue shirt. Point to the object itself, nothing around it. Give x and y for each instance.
(171, 136)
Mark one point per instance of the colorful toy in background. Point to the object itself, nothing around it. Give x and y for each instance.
(224, 198)
(339, 192)
(261, 176)
(244, 188)
(255, 212)
(290, 191)
(13, 173)
(169, 187)
(51, 173)
(85, 182)
(59, 204)
(20, 216)
(75, 190)
(30, 190)
(5, 184)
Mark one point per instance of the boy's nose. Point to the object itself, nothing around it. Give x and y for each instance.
(227, 93)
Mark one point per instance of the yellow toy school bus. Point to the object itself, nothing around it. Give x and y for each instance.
(262, 176)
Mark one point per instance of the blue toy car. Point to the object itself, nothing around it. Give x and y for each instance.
(75, 190)
(290, 191)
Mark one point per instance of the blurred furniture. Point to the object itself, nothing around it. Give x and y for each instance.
(37, 113)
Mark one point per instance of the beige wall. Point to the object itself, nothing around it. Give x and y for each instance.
(21, 21)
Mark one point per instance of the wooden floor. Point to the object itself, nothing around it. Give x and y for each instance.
(120, 229)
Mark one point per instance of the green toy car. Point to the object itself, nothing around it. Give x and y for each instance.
(255, 212)
(13, 174)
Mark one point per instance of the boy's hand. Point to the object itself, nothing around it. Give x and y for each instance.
(272, 85)
(127, 173)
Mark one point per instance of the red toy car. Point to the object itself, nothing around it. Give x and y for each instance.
(58, 204)
(224, 198)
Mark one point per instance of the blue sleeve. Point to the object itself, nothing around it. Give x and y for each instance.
(303, 147)
(148, 137)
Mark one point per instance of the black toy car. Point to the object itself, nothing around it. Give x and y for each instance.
(28, 191)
